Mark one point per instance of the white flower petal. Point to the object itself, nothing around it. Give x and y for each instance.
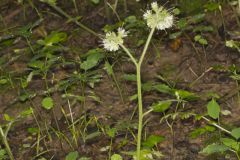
(158, 17)
(112, 40)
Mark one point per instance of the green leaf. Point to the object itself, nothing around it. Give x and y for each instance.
(130, 77)
(47, 103)
(214, 148)
(152, 140)
(116, 157)
(72, 156)
(213, 109)
(51, 2)
(211, 6)
(111, 132)
(163, 89)
(161, 106)
(108, 68)
(186, 95)
(200, 39)
(36, 64)
(3, 81)
(3, 154)
(230, 143)
(27, 112)
(95, 1)
(200, 131)
(236, 133)
(94, 57)
(92, 135)
(8, 118)
(55, 38)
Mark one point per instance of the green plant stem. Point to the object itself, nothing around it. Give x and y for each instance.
(5, 142)
(216, 125)
(140, 111)
(129, 54)
(139, 89)
(237, 155)
(146, 46)
(59, 10)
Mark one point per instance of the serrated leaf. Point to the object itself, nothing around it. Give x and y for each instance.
(236, 133)
(161, 106)
(213, 109)
(47, 103)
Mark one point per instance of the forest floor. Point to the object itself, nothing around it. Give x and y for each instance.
(97, 101)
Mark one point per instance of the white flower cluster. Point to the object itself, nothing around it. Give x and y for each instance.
(112, 40)
(158, 17)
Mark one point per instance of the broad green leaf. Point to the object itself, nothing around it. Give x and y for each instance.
(236, 133)
(152, 140)
(72, 156)
(93, 59)
(214, 148)
(161, 106)
(213, 109)
(47, 103)
(163, 89)
(116, 157)
(230, 143)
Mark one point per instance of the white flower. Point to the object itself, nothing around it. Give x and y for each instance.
(112, 40)
(158, 17)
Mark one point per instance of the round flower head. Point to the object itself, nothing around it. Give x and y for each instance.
(112, 40)
(158, 17)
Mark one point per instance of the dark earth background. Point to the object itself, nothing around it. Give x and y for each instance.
(181, 61)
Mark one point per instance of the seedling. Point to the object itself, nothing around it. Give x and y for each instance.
(157, 18)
